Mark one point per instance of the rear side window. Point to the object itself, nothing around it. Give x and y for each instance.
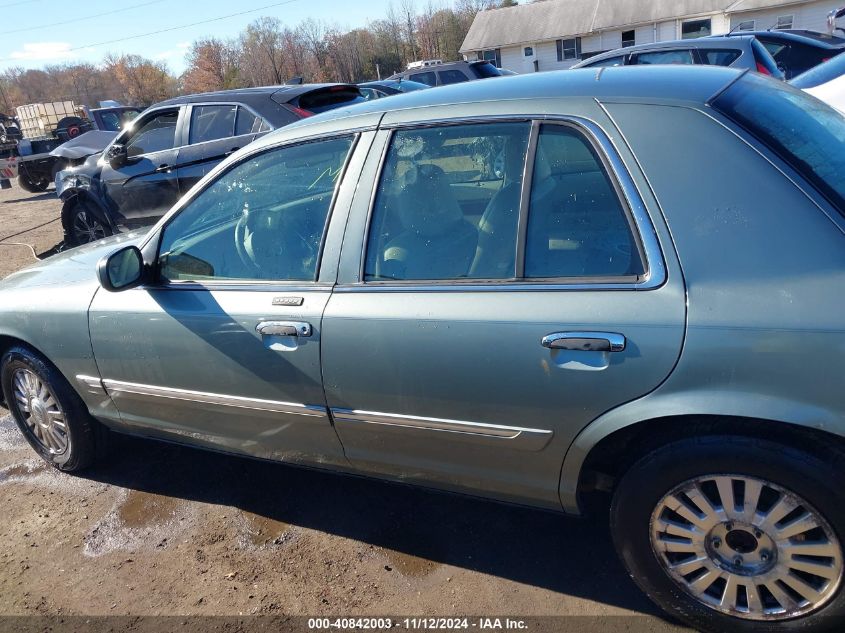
(249, 123)
(611, 61)
(452, 77)
(330, 98)
(719, 56)
(577, 226)
(666, 57)
(804, 132)
(427, 78)
(212, 122)
(447, 205)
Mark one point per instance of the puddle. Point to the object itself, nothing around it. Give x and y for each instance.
(408, 565)
(19, 471)
(261, 531)
(141, 509)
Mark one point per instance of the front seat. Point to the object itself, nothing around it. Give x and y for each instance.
(436, 241)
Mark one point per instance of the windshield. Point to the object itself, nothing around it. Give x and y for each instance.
(485, 69)
(821, 74)
(406, 85)
(803, 131)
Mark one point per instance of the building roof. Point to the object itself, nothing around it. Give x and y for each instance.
(553, 19)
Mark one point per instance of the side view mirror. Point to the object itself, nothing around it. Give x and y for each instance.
(116, 156)
(122, 270)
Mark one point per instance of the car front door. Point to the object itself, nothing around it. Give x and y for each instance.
(469, 350)
(224, 349)
(145, 186)
(215, 131)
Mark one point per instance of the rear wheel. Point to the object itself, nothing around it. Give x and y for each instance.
(49, 413)
(737, 534)
(84, 226)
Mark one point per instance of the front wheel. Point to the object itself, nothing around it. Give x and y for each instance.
(84, 226)
(49, 413)
(736, 534)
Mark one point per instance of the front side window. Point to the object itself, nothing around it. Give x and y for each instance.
(695, 28)
(427, 78)
(447, 205)
(154, 134)
(452, 77)
(212, 122)
(569, 49)
(666, 57)
(261, 220)
(806, 133)
(577, 226)
(609, 62)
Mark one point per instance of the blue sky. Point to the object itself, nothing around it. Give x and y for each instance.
(41, 44)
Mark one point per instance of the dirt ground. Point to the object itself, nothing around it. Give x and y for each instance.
(164, 530)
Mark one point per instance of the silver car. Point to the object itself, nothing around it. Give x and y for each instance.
(617, 288)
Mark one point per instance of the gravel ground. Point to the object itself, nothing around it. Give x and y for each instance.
(164, 530)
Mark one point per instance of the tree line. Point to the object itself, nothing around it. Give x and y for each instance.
(266, 52)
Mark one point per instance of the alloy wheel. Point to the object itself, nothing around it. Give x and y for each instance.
(746, 547)
(87, 228)
(40, 411)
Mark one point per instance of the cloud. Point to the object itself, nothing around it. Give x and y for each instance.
(178, 51)
(44, 51)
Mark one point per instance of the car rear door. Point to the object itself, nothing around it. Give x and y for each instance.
(223, 350)
(469, 350)
(142, 189)
(214, 131)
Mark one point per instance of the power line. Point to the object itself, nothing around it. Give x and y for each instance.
(168, 30)
(81, 19)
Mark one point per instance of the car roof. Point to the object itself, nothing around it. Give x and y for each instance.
(422, 69)
(285, 93)
(654, 84)
(700, 42)
(812, 38)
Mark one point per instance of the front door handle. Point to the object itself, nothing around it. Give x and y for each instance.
(162, 168)
(283, 328)
(585, 341)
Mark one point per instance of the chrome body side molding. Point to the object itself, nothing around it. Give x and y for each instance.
(91, 384)
(117, 387)
(522, 438)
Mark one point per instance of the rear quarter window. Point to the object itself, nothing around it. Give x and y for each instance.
(806, 133)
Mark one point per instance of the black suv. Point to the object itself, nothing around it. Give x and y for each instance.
(173, 144)
(449, 73)
(797, 51)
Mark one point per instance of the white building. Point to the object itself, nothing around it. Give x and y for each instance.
(556, 34)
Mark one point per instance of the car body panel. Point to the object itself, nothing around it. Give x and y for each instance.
(789, 316)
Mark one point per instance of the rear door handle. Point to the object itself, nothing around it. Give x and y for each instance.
(283, 328)
(585, 341)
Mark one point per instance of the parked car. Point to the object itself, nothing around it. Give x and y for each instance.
(367, 291)
(387, 87)
(736, 52)
(826, 82)
(796, 51)
(440, 74)
(171, 145)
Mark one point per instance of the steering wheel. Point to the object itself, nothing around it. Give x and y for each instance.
(289, 244)
(240, 245)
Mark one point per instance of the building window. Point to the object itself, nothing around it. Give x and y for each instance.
(629, 38)
(529, 51)
(695, 28)
(494, 56)
(569, 49)
(748, 25)
(785, 21)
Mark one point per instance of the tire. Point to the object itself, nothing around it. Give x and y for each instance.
(55, 421)
(84, 226)
(59, 165)
(39, 185)
(738, 562)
